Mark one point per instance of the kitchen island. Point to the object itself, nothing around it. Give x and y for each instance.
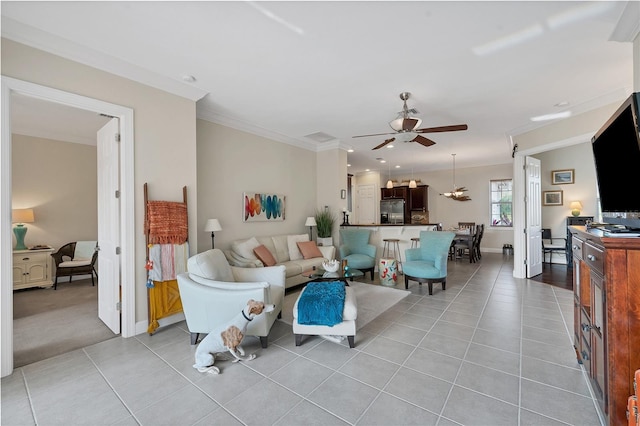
(403, 232)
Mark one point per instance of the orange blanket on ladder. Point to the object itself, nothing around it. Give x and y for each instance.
(166, 222)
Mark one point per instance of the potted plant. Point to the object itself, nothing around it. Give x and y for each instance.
(324, 223)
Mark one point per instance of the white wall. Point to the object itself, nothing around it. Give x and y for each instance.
(231, 162)
(164, 126)
(59, 181)
(580, 158)
(450, 212)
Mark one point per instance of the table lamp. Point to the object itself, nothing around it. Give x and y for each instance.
(575, 207)
(311, 221)
(211, 226)
(20, 217)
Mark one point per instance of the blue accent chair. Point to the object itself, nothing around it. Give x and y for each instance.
(428, 263)
(355, 248)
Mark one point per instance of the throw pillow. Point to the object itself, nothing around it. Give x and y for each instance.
(309, 249)
(245, 248)
(264, 255)
(294, 251)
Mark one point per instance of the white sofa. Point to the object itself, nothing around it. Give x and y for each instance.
(213, 292)
(283, 248)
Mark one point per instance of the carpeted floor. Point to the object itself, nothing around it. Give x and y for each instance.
(372, 300)
(49, 322)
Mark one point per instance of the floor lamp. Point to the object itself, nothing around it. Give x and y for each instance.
(211, 226)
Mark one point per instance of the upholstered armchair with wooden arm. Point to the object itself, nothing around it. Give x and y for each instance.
(76, 258)
(213, 292)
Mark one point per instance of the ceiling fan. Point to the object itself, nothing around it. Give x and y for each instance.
(407, 124)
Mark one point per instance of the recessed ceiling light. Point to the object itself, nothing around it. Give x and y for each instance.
(383, 161)
(348, 165)
(390, 146)
(397, 166)
(367, 170)
(350, 150)
(188, 78)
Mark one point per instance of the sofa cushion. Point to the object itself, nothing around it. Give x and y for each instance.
(245, 248)
(280, 248)
(211, 264)
(309, 249)
(294, 251)
(264, 255)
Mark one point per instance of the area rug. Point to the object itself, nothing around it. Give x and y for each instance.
(372, 301)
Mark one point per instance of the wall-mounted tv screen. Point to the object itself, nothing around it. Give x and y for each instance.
(616, 152)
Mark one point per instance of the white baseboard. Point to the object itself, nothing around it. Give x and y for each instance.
(143, 326)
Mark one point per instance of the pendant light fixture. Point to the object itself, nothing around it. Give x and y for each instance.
(389, 182)
(412, 182)
(457, 193)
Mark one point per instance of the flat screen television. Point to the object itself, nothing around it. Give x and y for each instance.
(616, 152)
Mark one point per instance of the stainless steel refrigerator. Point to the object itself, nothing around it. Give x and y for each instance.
(392, 211)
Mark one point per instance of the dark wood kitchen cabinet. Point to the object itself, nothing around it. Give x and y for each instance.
(419, 199)
(397, 192)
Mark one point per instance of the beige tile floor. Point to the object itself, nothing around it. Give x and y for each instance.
(490, 350)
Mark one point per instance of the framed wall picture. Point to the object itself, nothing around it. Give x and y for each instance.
(562, 177)
(551, 198)
(261, 207)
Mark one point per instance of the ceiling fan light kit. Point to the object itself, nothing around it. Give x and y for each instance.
(406, 127)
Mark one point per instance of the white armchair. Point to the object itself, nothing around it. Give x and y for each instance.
(213, 292)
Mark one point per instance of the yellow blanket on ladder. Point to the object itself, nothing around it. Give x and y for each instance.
(164, 300)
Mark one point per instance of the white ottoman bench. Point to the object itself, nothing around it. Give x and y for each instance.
(346, 328)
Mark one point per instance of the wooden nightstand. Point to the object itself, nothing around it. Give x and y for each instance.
(32, 268)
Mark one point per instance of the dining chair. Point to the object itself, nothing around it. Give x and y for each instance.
(552, 245)
(476, 246)
(471, 226)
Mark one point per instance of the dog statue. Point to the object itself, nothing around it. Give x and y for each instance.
(228, 337)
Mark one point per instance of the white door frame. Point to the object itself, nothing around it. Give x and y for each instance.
(127, 212)
(519, 238)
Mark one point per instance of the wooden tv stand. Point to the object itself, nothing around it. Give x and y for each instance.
(606, 288)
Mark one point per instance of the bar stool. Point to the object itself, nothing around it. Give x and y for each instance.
(415, 242)
(392, 244)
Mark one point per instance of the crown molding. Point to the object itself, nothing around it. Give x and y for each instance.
(31, 36)
(204, 113)
(628, 26)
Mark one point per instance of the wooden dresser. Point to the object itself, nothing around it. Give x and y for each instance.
(606, 288)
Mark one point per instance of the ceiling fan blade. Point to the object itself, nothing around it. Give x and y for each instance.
(383, 143)
(409, 123)
(377, 134)
(423, 141)
(454, 128)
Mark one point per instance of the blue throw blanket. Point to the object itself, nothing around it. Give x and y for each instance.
(321, 303)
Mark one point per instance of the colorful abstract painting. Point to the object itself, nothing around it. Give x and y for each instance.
(263, 207)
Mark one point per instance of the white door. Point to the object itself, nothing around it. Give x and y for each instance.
(109, 225)
(366, 204)
(533, 218)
